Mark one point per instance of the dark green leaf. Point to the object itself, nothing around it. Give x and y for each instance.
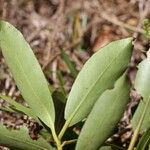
(98, 74)
(104, 116)
(70, 64)
(62, 83)
(59, 100)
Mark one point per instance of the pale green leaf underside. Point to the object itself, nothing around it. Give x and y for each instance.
(104, 116)
(98, 74)
(26, 72)
(20, 140)
(142, 86)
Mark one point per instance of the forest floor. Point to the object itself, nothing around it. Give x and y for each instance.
(80, 27)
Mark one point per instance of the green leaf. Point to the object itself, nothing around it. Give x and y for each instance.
(70, 64)
(59, 103)
(46, 135)
(142, 86)
(106, 148)
(27, 73)
(59, 96)
(144, 141)
(114, 146)
(7, 110)
(98, 74)
(62, 83)
(18, 107)
(104, 116)
(20, 140)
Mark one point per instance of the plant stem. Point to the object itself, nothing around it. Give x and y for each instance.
(137, 130)
(66, 125)
(63, 129)
(58, 142)
(68, 142)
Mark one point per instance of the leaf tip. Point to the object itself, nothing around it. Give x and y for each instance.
(130, 40)
(4, 25)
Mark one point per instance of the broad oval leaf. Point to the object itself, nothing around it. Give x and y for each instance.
(98, 74)
(104, 116)
(20, 140)
(27, 73)
(142, 86)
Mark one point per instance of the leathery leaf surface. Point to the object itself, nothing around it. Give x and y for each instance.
(98, 74)
(104, 116)
(27, 72)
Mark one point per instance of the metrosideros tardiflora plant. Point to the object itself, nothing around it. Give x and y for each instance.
(98, 97)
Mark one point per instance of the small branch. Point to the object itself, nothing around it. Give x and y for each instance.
(66, 125)
(68, 142)
(119, 23)
(58, 142)
(63, 130)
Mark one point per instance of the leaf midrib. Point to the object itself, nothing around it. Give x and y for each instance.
(28, 82)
